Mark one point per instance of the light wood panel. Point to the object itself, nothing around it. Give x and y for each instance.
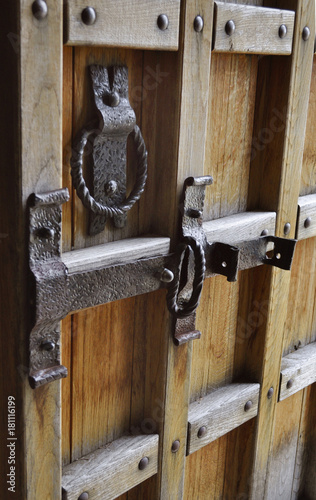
(306, 217)
(298, 370)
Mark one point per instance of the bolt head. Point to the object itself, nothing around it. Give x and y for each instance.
(163, 22)
(230, 27)
(110, 188)
(45, 233)
(270, 392)
(306, 33)
(307, 222)
(202, 431)
(290, 383)
(287, 228)
(282, 31)
(84, 496)
(48, 345)
(143, 463)
(88, 16)
(265, 232)
(198, 24)
(175, 446)
(248, 405)
(167, 276)
(39, 9)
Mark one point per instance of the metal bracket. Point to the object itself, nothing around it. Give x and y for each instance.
(109, 142)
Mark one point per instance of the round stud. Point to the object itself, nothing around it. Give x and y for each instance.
(194, 214)
(39, 9)
(114, 99)
(163, 22)
(282, 31)
(88, 16)
(248, 405)
(230, 27)
(287, 228)
(48, 345)
(270, 393)
(265, 232)
(198, 24)
(84, 496)
(306, 33)
(307, 222)
(110, 188)
(143, 463)
(167, 276)
(45, 233)
(290, 383)
(202, 431)
(175, 446)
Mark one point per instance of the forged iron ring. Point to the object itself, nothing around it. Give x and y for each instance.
(188, 307)
(80, 185)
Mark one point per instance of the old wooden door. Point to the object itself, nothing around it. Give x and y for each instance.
(219, 89)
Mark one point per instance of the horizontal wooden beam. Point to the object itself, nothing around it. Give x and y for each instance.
(124, 23)
(306, 217)
(255, 30)
(115, 252)
(111, 471)
(220, 412)
(298, 370)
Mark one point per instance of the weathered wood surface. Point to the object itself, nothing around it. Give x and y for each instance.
(306, 217)
(220, 412)
(298, 370)
(119, 23)
(256, 29)
(112, 470)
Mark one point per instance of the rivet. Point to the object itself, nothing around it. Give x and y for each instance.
(282, 31)
(39, 9)
(248, 405)
(167, 276)
(194, 213)
(290, 383)
(202, 431)
(306, 33)
(143, 463)
(48, 345)
(114, 99)
(163, 22)
(307, 222)
(84, 496)
(230, 27)
(45, 233)
(265, 232)
(287, 228)
(88, 16)
(175, 446)
(198, 24)
(110, 188)
(270, 393)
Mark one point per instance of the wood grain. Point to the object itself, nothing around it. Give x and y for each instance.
(306, 217)
(256, 29)
(299, 367)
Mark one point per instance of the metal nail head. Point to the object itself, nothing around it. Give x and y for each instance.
(167, 276)
(290, 383)
(163, 22)
(175, 446)
(287, 228)
(45, 233)
(270, 392)
(265, 232)
(202, 431)
(248, 405)
(48, 345)
(282, 31)
(143, 463)
(306, 33)
(84, 496)
(198, 24)
(230, 27)
(307, 222)
(39, 9)
(110, 188)
(88, 16)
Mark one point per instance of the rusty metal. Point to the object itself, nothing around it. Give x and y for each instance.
(39, 9)
(163, 22)
(307, 222)
(109, 155)
(88, 16)
(290, 383)
(248, 405)
(198, 24)
(202, 431)
(287, 228)
(270, 393)
(175, 446)
(143, 463)
(230, 27)
(306, 33)
(282, 31)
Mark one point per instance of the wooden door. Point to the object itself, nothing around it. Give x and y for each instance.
(219, 89)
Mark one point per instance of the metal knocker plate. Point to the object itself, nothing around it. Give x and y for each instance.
(108, 143)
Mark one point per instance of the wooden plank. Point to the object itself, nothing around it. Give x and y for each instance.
(115, 252)
(111, 470)
(298, 370)
(118, 23)
(220, 412)
(306, 217)
(241, 227)
(256, 29)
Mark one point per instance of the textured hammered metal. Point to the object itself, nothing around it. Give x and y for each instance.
(108, 141)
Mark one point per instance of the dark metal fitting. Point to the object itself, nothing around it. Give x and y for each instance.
(202, 431)
(287, 228)
(88, 16)
(84, 496)
(111, 99)
(265, 232)
(45, 233)
(230, 27)
(198, 24)
(166, 276)
(306, 33)
(48, 345)
(143, 463)
(248, 405)
(290, 383)
(193, 213)
(163, 22)
(110, 188)
(270, 393)
(307, 222)
(175, 446)
(39, 9)
(282, 31)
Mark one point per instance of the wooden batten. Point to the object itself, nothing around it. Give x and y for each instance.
(112, 470)
(220, 412)
(298, 370)
(255, 31)
(132, 24)
(306, 217)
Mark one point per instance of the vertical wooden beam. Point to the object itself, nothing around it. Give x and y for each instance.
(196, 58)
